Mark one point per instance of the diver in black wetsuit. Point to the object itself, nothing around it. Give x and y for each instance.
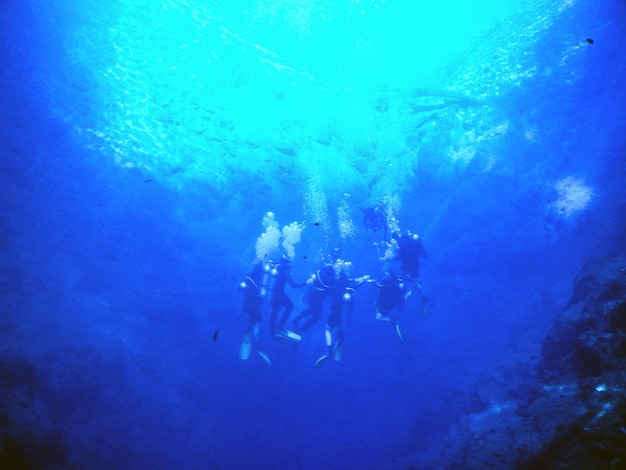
(252, 293)
(374, 217)
(379, 217)
(407, 247)
(318, 290)
(342, 295)
(390, 296)
(281, 278)
(410, 250)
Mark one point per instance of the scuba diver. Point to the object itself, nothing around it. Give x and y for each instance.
(252, 296)
(408, 249)
(318, 290)
(390, 296)
(374, 217)
(275, 280)
(342, 294)
(377, 217)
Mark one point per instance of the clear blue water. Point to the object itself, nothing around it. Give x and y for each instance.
(142, 144)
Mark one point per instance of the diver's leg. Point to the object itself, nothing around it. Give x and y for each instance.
(338, 349)
(316, 314)
(288, 304)
(328, 337)
(425, 299)
(256, 335)
(392, 320)
(381, 317)
(247, 342)
(303, 314)
(256, 341)
(273, 316)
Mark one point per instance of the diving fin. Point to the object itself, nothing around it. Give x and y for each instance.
(321, 360)
(264, 357)
(293, 336)
(246, 348)
(288, 335)
(398, 332)
(337, 351)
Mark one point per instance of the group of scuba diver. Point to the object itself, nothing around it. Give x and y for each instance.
(329, 288)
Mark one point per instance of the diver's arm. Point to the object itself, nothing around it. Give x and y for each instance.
(295, 285)
(423, 251)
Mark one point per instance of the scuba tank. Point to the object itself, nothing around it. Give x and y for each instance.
(347, 302)
(267, 267)
(271, 287)
(400, 296)
(268, 281)
(243, 288)
(243, 285)
(249, 288)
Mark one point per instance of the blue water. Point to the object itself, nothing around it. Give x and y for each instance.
(142, 144)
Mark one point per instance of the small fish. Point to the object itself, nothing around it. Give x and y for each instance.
(147, 181)
(287, 151)
(215, 335)
(589, 40)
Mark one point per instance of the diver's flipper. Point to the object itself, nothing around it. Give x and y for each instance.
(287, 335)
(398, 331)
(246, 348)
(264, 357)
(321, 360)
(292, 335)
(337, 351)
(280, 336)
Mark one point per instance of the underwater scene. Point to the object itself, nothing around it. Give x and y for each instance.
(313, 234)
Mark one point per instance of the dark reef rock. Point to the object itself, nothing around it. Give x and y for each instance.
(28, 440)
(30, 451)
(583, 373)
(573, 413)
(589, 337)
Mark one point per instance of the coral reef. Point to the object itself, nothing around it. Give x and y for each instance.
(28, 439)
(568, 410)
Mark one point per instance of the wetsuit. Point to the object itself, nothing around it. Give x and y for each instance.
(390, 294)
(280, 299)
(410, 250)
(316, 293)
